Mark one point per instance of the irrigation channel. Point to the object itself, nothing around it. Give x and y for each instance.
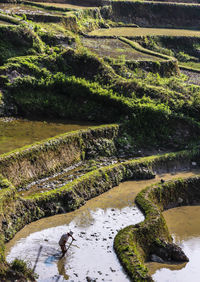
(91, 257)
(16, 133)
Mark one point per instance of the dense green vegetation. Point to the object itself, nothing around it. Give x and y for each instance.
(185, 49)
(60, 85)
(18, 41)
(73, 194)
(134, 244)
(46, 70)
(53, 83)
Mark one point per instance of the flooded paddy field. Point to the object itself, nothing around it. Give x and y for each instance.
(64, 5)
(184, 225)
(134, 32)
(16, 133)
(94, 225)
(23, 9)
(115, 48)
(65, 176)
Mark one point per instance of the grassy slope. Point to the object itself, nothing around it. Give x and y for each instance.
(56, 82)
(56, 89)
(18, 41)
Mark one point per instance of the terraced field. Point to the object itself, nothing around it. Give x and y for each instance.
(64, 5)
(64, 62)
(23, 9)
(16, 133)
(136, 32)
(191, 65)
(188, 2)
(5, 23)
(114, 48)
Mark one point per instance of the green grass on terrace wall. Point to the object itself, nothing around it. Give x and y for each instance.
(45, 157)
(74, 194)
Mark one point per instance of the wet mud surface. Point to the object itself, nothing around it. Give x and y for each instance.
(184, 225)
(114, 48)
(94, 225)
(23, 9)
(65, 176)
(16, 133)
(193, 77)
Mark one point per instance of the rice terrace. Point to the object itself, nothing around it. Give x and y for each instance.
(99, 140)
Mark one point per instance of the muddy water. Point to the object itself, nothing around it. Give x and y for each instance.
(16, 133)
(94, 226)
(184, 225)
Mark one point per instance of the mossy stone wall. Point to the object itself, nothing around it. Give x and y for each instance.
(135, 243)
(16, 212)
(40, 159)
(74, 194)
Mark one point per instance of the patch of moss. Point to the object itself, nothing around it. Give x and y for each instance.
(18, 40)
(65, 149)
(153, 230)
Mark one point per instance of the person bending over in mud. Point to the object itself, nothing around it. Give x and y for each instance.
(63, 240)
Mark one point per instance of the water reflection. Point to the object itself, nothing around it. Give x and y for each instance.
(184, 225)
(16, 133)
(95, 226)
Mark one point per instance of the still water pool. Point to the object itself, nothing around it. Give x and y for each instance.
(16, 133)
(184, 225)
(95, 225)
